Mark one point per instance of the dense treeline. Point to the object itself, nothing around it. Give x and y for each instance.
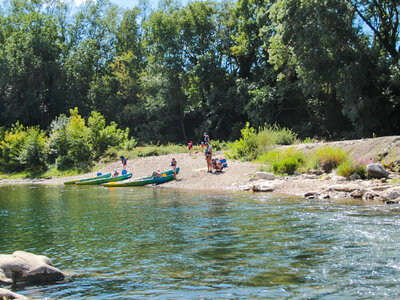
(328, 67)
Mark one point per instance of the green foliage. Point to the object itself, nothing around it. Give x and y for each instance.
(285, 161)
(155, 150)
(348, 168)
(11, 147)
(34, 150)
(75, 145)
(174, 71)
(101, 137)
(218, 145)
(327, 158)
(308, 140)
(246, 146)
(252, 143)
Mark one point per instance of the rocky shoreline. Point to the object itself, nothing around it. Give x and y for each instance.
(329, 186)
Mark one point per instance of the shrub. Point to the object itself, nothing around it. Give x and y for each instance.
(11, 147)
(328, 158)
(217, 145)
(284, 162)
(101, 137)
(246, 146)
(156, 150)
(349, 168)
(34, 150)
(58, 140)
(251, 144)
(80, 150)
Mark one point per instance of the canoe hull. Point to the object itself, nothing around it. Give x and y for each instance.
(105, 180)
(88, 179)
(165, 176)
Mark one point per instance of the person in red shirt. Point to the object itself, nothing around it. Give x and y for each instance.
(190, 145)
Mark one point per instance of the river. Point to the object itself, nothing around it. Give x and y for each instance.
(135, 243)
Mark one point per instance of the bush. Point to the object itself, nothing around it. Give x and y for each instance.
(217, 145)
(328, 158)
(251, 144)
(58, 140)
(156, 150)
(11, 148)
(102, 137)
(246, 146)
(34, 150)
(349, 168)
(284, 162)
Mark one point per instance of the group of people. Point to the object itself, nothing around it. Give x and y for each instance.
(155, 173)
(212, 163)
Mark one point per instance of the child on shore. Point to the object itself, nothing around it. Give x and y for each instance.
(208, 154)
(173, 165)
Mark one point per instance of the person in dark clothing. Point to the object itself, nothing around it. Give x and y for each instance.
(124, 162)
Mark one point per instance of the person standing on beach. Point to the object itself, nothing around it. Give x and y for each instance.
(124, 162)
(173, 165)
(208, 154)
(190, 145)
(206, 138)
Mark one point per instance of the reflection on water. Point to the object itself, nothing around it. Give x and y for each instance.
(151, 242)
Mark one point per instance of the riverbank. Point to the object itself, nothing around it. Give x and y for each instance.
(241, 175)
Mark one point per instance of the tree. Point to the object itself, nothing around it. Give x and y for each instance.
(382, 18)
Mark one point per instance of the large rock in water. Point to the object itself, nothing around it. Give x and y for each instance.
(377, 171)
(24, 267)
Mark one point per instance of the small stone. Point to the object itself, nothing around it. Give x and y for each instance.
(311, 194)
(354, 177)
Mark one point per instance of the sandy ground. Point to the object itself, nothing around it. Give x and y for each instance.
(189, 177)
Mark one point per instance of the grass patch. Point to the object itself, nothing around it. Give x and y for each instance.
(327, 158)
(253, 143)
(52, 172)
(349, 168)
(284, 162)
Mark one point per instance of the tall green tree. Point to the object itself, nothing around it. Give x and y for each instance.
(32, 77)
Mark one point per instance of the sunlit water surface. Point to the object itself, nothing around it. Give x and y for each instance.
(125, 243)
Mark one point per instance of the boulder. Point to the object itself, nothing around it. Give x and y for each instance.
(358, 193)
(347, 188)
(377, 171)
(6, 294)
(265, 176)
(263, 186)
(24, 267)
(311, 195)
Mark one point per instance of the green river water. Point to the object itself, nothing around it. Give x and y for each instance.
(155, 243)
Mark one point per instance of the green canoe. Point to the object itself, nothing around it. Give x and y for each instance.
(165, 177)
(105, 180)
(88, 179)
